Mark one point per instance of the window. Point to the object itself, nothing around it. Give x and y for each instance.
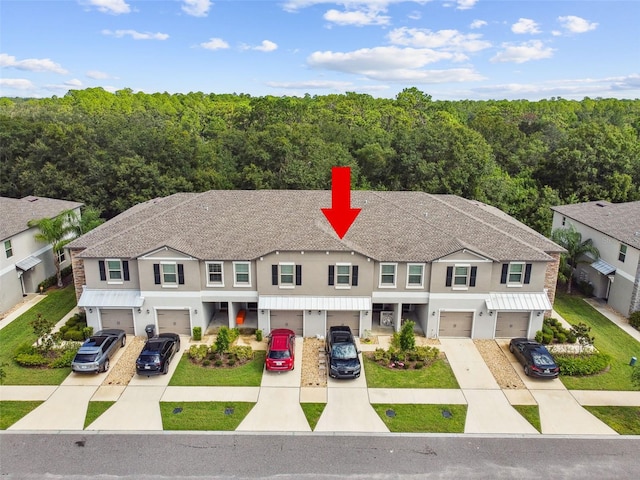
(286, 275)
(167, 274)
(61, 256)
(623, 252)
(461, 276)
(215, 274)
(343, 275)
(114, 271)
(8, 249)
(564, 221)
(515, 274)
(387, 274)
(241, 274)
(415, 273)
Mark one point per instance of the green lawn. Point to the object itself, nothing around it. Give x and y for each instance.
(624, 420)
(423, 418)
(610, 339)
(212, 416)
(247, 375)
(531, 413)
(57, 304)
(11, 411)
(437, 375)
(94, 410)
(313, 411)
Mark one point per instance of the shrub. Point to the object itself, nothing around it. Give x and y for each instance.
(231, 362)
(380, 355)
(547, 338)
(24, 348)
(31, 360)
(407, 337)
(538, 336)
(65, 359)
(427, 354)
(197, 333)
(218, 363)
(51, 281)
(634, 320)
(87, 332)
(198, 353)
(258, 335)
(561, 337)
(206, 362)
(582, 364)
(234, 333)
(223, 340)
(74, 335)
(418, 365)
(241, 352)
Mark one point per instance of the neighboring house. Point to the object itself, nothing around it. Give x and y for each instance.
(614, 229)
(25, 262)
(458, 267)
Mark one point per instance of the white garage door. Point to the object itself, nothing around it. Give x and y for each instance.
(291, 319)
(174, 321)
(455, 324)
(118, 318)
(512, 324)
(349, 319)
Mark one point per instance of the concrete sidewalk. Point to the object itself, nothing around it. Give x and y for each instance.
(29, 301)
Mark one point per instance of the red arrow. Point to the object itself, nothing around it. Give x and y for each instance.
(341, 215)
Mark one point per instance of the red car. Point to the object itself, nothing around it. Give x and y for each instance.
(281, 351)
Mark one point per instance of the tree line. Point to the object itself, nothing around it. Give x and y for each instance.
(113, 150)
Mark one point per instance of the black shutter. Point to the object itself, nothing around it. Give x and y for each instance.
(125, 270)
(449, 276)
(298, 274)
(181, 274)
(156, 274)
(331, 274)
(103, 271)
(274, 274)
(472, 280)
(505, 270)
(527, 273)
(354, 275)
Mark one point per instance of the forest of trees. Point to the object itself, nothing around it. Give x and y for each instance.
(113, 150)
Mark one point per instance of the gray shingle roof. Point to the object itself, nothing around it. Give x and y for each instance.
(15, 213)
(241, 224)
(617, 220)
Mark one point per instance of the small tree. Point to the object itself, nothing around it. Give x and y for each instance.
(407, 337)
(223, 340)
(571, 239)
(42, 328)
(581, 332)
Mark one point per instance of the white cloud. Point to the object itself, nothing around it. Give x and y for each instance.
(525, 25)
(215, 44)
(524, 52)
(196, 8)
(17, 83)
(450, 40)
(266, 46)
(114, 7)
(466, 4)
(136, 35)
(576, 24)
(415, 15)
(31, 64)
(360, 17)
(311, 85)
(74, 82)
(478, 24)
(97, 75)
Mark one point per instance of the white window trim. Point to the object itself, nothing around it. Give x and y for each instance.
(63, 254)
(519, 284)
(415, 285)
(166, 284)
(293, 276)
(111, 281)
(395, 276)
(235, 274)
(467, 277)
(215, 284)
(343, 286)
(8, 247)
(621, 253)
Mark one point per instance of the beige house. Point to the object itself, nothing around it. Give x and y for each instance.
(459, 268)
(25, 262)
(614, 229)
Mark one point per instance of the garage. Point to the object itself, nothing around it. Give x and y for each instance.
(174, 321)
(512, 324)
(121, 318)
(455, 324)
(291, 319)
(349, 318)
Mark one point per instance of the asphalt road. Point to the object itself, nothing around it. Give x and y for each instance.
(311, 456)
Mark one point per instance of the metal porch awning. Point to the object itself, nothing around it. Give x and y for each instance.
(111, 298)
(28, 263)
(518, 301)
(603, 267)
(301, 302)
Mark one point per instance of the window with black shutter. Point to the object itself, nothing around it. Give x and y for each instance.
(103, 270)
(156, 274)
(181, 274)
(274, 274)
(449, 276)
(298, 274)
(527, 273)
(472, 279)
(505, 272)
(125, 270)
(332, 270)
(354, 275)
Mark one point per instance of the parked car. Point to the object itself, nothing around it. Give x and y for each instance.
(342, 353)
(95, 353)
(157, 353)
(281, 350)
(535, 358)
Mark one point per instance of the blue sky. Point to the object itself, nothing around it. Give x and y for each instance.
(452, 49)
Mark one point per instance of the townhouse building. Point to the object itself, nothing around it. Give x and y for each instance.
(457, 267)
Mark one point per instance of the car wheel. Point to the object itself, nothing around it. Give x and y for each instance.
(527, 372)
(106, 366)
(123, 342)
(511, 348)
(166, 368)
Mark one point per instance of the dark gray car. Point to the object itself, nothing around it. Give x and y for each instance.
(95, 353)
(342, 353)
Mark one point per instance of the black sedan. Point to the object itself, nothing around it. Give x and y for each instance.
(535, 358)
(157, 354)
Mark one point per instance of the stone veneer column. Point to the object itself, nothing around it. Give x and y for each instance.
(77, 265)
(634, 304)
(551, 279)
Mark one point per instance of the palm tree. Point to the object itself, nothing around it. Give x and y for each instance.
(57, 231)
(571, 240)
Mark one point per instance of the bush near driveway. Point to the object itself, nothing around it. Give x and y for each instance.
(188, 374)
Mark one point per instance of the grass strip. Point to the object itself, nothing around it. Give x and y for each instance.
(421, 418)
(188, 374)
(13, 410)
(211, 416)
(531, 414)
(94, 410)
(436, 375)
(313, 411)
(624, 420)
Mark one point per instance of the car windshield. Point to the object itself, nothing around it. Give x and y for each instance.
(344, 351)
(542, 359)
(279, 354)
(85, 358)
(149, 358)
